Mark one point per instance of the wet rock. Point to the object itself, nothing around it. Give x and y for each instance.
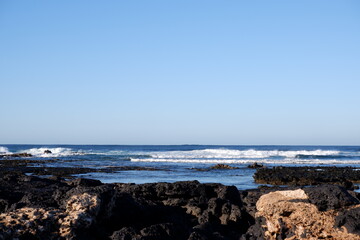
(47, 151)
(223, 166)
(256, 165)
(303, 176)
(15, 155)
(31, 167)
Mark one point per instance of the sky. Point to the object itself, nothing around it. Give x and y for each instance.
(180, 72)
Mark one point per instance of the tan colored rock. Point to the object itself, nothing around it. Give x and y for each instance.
(290, 212)
(80, 211)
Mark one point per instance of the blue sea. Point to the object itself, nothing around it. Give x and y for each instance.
(178, 162)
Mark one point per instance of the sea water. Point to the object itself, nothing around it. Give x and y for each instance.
(183, 162)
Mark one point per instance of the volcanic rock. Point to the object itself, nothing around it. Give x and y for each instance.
(223, 166)
(302, 176)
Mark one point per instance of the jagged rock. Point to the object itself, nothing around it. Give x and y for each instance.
(126, 233)
(15, 155)
(290, 215)
(47, 151)
(88, 209)
(39, 208)
(303, 176)
(328, 197)
(223, 166)
(85, 182)
(349, 219)
(256, 165)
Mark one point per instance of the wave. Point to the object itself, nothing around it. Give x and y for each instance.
(55, 152)
(239, 154)
(249, 161)
(4, 150)
(230, 156)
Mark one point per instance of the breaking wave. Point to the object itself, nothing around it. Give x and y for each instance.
(230, 156)
(54, 152)
(229, 153)
(4, 150)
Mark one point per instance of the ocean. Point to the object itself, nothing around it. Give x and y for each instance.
(185, 162)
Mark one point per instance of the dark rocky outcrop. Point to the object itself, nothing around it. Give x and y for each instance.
(15, 155)
(215, 167)
(256, 165)
(31, 166)
(41, 208)
(38, 208)
(349, 219)
(223, 166)
(329, 197)
(302, 176)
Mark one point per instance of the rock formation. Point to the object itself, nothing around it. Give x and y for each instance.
(40, 208)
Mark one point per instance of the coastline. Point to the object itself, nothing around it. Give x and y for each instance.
(52, 207)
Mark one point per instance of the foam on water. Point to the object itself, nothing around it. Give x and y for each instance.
(230, 156)
(55, 152)
(250, 161)
(238, 154)
(4, 150)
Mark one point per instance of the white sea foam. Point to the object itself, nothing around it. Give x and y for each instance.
(55, 152)
(231, 156)
(238, 154)
(250, 161)
(4, 150)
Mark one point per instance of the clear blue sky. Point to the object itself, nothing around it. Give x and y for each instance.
(178, 72)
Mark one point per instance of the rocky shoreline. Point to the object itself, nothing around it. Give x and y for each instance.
(317, 203)
(42, 208)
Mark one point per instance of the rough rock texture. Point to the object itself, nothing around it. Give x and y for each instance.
(11, 163)
(290, 215)
(39, 208)
(15, 155)
(303, 176)
(223, 166)
(36, 208)
(40, 223)
(329, 197)
(350, 219)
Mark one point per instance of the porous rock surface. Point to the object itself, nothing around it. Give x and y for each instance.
(292, 215)
(39, 208)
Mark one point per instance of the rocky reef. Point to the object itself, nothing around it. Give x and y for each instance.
(42, 208)
(303, 176)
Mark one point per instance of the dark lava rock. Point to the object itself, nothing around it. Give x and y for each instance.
(181, 210)
(256, 231)
(349, 219)
(47, 151)
(328, 197)
(88, 209)
(15, 155)
(30, 166)
(303, 176)
(256, 165)
(85, 182)
(223, 166)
